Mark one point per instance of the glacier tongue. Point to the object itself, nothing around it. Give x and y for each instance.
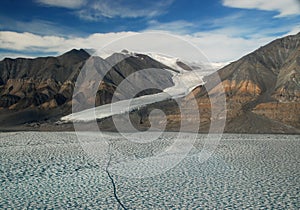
(119, 107)
(184, 84)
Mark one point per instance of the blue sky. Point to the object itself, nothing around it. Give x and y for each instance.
(223, 29)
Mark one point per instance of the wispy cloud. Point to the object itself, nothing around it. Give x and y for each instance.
(36, 26)
(97, 10)
(239, 24)
(94, 10)
(250, 28)
(284, 7)
(70, 4)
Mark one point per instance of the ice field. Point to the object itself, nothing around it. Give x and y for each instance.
(43, 170)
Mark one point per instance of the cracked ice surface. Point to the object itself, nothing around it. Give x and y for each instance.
(51, 170)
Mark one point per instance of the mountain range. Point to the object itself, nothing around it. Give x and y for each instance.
(262, 90)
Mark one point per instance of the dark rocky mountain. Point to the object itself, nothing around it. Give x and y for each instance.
(124, 66)
(43, 87)
(45, 83)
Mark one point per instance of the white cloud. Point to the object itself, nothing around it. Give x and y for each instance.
(221, 47)
(31, 42)
(294, 30)
(71, 4)
(27, 41)
(178, 27)
(284, 7)
(14, 55)
(217, 46)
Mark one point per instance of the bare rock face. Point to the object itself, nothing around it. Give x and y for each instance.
(8, 100)
(104, 94)
(18, 94)
(265, 83)
(33, 83)
(287, 113)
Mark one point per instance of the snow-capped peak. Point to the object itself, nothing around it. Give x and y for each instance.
(175, 63)
(167, 60)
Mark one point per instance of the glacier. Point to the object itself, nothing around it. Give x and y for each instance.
(184, 83)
